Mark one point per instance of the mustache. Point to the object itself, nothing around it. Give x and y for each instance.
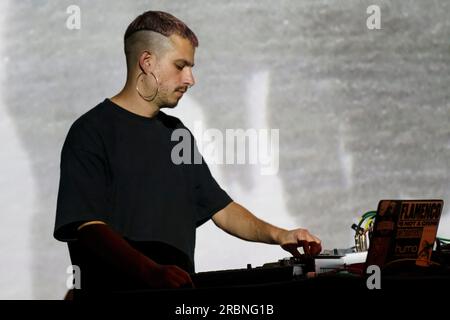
(181, 89)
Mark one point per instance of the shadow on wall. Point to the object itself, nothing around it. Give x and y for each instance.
(362, 114)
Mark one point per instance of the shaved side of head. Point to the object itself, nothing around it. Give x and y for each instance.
(151, 32)
(145, 40)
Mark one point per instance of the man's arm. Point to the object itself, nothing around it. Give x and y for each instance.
(239, 222)
(100, 239)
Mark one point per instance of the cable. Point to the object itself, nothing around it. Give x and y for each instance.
(369, 214)
(361, 233)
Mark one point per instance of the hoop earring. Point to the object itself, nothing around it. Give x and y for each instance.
(149, 97)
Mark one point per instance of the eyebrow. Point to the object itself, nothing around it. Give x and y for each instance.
(185, 62)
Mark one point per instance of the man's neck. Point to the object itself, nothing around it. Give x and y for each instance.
(130, 100)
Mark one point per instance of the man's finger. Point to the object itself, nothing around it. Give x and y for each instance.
(292, 249)
(305, 246)
(315, 244)
(315, 247)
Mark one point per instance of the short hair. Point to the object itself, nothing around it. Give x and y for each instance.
(150, 30)
(163, 23)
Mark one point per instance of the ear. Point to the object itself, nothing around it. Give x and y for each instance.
(147, 61)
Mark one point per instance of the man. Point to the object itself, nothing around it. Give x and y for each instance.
(127, 211)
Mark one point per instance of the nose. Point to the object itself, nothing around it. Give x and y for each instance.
(189, 79)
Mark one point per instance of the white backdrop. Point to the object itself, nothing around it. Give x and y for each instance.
(362, 115)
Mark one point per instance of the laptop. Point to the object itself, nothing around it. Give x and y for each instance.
(404, 232)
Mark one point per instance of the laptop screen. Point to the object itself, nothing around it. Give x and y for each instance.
(404, 231)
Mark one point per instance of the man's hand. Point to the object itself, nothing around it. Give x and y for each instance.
(239, 222)
(99, 239)
(168, 276)
(293, 239)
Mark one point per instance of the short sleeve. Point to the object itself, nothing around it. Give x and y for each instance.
(82, 194)
(211, 198)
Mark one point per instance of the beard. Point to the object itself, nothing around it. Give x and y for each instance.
(166, 100)
(168, 104)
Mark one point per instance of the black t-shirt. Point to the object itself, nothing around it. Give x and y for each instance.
(116, 167)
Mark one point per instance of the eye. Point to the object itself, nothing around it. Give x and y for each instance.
(179, 67)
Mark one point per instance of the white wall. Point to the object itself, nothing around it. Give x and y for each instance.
(362, 114)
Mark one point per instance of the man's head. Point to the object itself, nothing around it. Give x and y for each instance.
(160, 46)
